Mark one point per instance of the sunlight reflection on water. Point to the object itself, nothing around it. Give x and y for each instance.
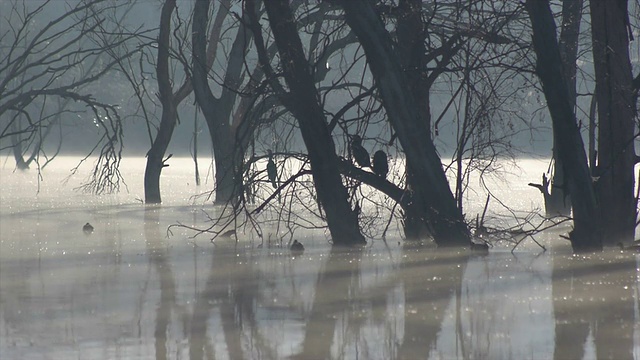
(130, 291)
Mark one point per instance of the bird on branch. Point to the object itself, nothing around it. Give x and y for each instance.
(380, 164)
(359, 153)
(272, 171)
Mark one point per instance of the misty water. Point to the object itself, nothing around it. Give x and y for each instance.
(132, 289)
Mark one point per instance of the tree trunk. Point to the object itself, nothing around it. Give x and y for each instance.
(17, 141)
(303, 102)
(227, 149)
(156, 154)
(195, 149)
(431, 192)
(558, 201)
(616, 154)
(169, 114)
(410, 38)
(16, 147)
(227, 146)
(587, 232)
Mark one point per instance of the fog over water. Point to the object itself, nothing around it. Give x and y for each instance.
(132, 289)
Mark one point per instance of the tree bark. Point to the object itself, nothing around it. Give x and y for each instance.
(217, 111)
(410, 39)
(229, 132)
(431, 192)
(558, 201)
(169, 113)
(303, 101)
(616, 154)
(586, 234)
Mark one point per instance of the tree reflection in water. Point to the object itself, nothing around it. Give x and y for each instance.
(347, 303)
(427, 296)
(594, 297)
(127, 291)
(158, 259)
(116, 297)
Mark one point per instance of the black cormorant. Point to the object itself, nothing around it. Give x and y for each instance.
(296, 247)
(380, 164)
(359, 153)
(272, 171)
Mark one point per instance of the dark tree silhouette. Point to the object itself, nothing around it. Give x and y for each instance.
(586, 234)
(302, 101)
(558, 201)
(51, 56)
(155, 155)
(432, 199)
(616, 128)
(230, 130)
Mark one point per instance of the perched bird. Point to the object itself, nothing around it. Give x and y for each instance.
(87, 228)
(272, 171)
(359, 153)
(296, 247)
(380, 164)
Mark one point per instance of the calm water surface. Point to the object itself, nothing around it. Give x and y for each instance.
(130, 291)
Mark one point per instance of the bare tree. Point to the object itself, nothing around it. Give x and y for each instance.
(155, 155)
(42, 60)
(230, 126)
(587, 234)
(431, 191)
(303, 102)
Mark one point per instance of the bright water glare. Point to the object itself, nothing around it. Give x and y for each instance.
(133, 290)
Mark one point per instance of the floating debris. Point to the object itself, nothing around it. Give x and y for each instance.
(87, 228)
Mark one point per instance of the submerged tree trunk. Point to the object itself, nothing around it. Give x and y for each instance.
(195, 149)
(169, 101)
(431, 193)
(558, 201)
(227, 146)
(169, 113)
(586, 234)
(16, 148)
(17, 141)
(303, 101)
(616, 154)
(219, 131)
(410, 38)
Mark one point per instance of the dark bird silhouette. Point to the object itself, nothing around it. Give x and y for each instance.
(380, 164)
(296, 247)
(359, 153)
(272, 171)
(87, 228)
